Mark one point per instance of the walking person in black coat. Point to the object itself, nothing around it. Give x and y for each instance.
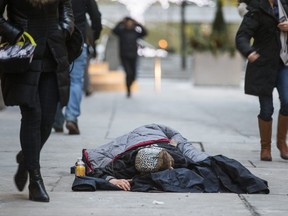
(37, 91)
(129, 31)
(266, 23)
(73, 108)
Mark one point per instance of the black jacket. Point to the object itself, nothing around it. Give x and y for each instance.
(49, 24)
(128, 38)
(260, 24)
(90, 7)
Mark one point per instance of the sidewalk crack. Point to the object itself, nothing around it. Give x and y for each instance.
(55, 184)
(111, 119)
(252, 163)
(251, 208)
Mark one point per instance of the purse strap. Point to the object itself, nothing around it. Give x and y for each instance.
(23, 40)
(30, 38)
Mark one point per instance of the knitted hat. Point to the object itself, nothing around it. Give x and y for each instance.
(153, 159)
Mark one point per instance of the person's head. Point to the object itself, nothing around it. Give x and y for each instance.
(153, 159)
(129, 22)
(165, 161)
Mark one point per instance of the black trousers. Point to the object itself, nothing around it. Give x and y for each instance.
(37, 120)
(130, 67)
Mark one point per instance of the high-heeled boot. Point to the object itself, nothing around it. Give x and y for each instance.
(37, 191)
(21, 175)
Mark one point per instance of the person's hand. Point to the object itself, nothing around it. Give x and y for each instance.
(283, 26)
(124, 184)
(253, 56)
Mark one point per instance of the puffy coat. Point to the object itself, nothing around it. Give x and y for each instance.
(146, 134)
(260, 24)
(49, 23)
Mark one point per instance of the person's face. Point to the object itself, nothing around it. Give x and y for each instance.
(129, 24)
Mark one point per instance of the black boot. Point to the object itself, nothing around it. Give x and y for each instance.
(37, 191)
(21, 175)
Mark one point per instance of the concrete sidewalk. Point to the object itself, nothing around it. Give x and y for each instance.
(223, 119)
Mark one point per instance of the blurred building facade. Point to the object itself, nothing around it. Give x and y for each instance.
(116, 11)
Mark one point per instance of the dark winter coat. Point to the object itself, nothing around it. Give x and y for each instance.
(49, 23)
(80, 8)
(260, 24)
(128, 38)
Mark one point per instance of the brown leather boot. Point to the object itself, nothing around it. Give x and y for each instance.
(265, 130)
(281, 136)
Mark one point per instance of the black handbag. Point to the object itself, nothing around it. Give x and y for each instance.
(74, 45)
(16, 58)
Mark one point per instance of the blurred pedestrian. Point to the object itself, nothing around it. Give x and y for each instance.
(129, 31)
(38, 90)
(266, 23)
(92, 54)
(72, 110)
(2, 105)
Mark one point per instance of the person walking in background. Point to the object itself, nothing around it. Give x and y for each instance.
(92, 54)
(129, 31)
(72, 110)
(37, 91)
(266, 23)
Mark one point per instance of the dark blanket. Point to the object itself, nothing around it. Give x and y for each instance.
(214, 174)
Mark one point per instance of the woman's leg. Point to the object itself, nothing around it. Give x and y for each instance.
(30, 137)
(266, 108)
(282, 128)
(134, 69)
(126, 63)
(282, 87)
(49, 98)
(36, 124)
(265, 126)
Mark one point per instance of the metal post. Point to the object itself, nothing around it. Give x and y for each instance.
(157, 74)
(183, 35)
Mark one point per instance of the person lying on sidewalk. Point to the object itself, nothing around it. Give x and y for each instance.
(158, 158)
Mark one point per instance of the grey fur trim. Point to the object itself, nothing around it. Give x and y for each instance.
(242, 9)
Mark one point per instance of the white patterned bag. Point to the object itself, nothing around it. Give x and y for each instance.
(16, 58)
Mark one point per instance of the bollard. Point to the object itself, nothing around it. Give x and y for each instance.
(157, 74)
